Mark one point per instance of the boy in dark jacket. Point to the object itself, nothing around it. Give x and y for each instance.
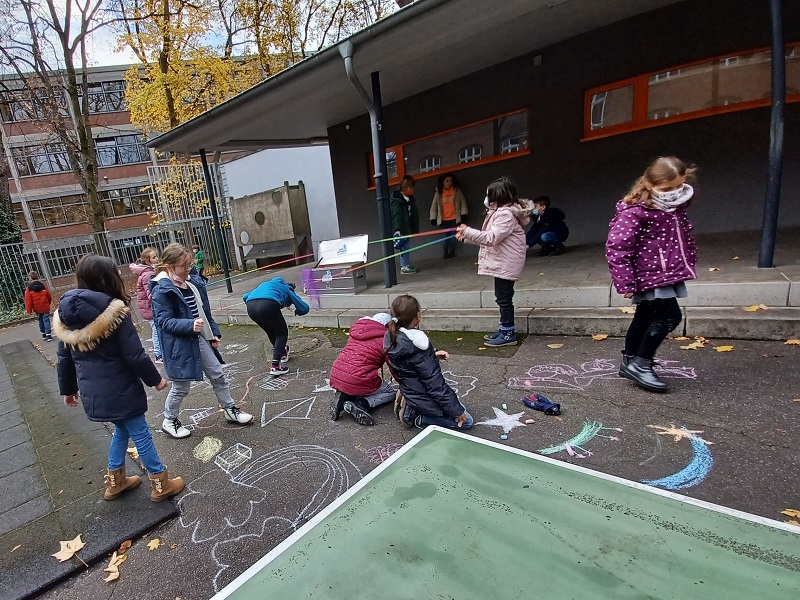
(549, 229)
(355, 373)
(38, 300)
(405, 221)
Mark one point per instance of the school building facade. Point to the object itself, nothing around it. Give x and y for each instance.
(569, 98)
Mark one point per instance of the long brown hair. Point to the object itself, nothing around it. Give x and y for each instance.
(502, 191)
(172, 256)
(404, 309)
(661, 170)
(101, 274)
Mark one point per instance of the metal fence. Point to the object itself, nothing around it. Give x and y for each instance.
(182, 215)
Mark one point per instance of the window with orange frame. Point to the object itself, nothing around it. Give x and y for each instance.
(699, 89)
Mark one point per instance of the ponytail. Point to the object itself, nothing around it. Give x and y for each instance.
(393, 329)
(404, 310)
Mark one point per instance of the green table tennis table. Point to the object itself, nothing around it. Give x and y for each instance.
(454, 516)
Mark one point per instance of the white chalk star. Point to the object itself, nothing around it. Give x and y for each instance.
(504, 420)
(324, 388)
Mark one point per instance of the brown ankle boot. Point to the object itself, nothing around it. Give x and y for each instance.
(163, 487)
(117, 482)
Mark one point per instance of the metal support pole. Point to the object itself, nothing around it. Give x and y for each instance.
(769, 225)
(223, 255)
(346, 49)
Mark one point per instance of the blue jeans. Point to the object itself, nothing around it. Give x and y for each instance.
(136, 429)
(44, 322)
(405, 258)
(447, 421)
(156, 339)
(546, 238)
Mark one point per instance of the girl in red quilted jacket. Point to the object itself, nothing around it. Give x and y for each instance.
(355, 373)
(651, 253)
(144, 269)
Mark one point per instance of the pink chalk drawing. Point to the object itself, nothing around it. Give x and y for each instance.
(564, 377)
(378, 454)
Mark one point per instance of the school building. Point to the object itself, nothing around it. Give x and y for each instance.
(570, 98)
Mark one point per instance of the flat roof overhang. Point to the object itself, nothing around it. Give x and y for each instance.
(424, 45)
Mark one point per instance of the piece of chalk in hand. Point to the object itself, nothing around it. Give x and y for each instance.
(504, 437)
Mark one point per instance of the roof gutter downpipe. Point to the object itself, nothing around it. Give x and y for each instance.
(375, 110)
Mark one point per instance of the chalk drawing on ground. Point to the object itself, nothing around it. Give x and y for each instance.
(281, 382)
(679, 434)
(590, 430)
(229, 521)
(295, 409)
(207, 448)
(505, 420)
(233, 457)
(196, 415)
(324, 388)
(378, 454)
(565, 377)
(462, 384)
(235, 349)
(232, 370)
(693, 473)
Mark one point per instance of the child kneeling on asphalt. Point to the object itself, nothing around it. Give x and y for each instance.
(355, 372)
(426, 397)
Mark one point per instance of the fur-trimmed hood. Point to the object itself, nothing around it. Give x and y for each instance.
(85, 318)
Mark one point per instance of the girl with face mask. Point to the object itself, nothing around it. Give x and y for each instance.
(651, 253)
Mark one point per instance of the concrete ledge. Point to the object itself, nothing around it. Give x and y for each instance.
(578, 321)
(735, 323)
(566, 297)
(345, 302)
(480, 319)
(771, 293)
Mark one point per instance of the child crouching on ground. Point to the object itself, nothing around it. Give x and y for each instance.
(415, 365)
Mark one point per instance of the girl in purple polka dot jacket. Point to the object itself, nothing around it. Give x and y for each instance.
(651, 253)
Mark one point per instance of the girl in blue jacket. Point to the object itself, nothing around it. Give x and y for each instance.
(189, 338)
(264, 305)
(101, 359)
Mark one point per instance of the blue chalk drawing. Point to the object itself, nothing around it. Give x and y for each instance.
(694, 473)
(590, 430)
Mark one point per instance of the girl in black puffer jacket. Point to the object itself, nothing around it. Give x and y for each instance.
(426, 397)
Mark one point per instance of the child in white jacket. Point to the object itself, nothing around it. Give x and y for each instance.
(502, 253)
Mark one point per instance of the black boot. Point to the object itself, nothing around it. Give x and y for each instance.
(357, 408)
(545, 251)
(640, 371)
(623, 368)
(337, 405)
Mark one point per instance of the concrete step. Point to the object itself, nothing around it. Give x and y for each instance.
(719, 322)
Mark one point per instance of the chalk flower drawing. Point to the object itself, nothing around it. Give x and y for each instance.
(693, 473)
(565, 377)
(679, 434)
(233, 512)
(504, 420)
(590, 430)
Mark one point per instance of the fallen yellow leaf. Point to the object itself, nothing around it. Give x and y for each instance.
(796, 400)
(712, 269)
(69, 548)
(790, 512)
(123, 548)
(628, 310)
(111, 577)
(681, 338)
(459, 339)
(173, 546)
(555, 345)
(153, 544)
(119, 559)
(795, 523)
(763, 307)
(599, 337)
(693, 346)
(481, 348)
(792, 342)
(723, 348)
(700, 338)
(753, 308)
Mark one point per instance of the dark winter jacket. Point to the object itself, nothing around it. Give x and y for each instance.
(37, 298)
(415, 367)
(405, 216)
(649, 248)
(180, 344)
(552, 220)
(143, 301)
(281, 292)
(355, 370)
(101, 356)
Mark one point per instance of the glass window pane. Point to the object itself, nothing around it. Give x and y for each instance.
(689, 89)
(40, 163)
(612, 107)
(391, 164)
(793, 70)
(106, 152)
(746, 78)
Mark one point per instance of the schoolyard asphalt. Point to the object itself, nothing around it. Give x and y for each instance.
(250, 487)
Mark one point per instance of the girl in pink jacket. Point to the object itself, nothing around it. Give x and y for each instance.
(651, 253)
(144, 270)
(502, 253)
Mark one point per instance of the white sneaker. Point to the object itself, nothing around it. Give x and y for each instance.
(235, 415)
(174, 428)
(285, 357)
(281, 370)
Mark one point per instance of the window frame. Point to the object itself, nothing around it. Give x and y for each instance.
(640, 85)
(399, 150)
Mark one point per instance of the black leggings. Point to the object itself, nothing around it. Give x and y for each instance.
(504, 296)
(652, 322)
(267, 315)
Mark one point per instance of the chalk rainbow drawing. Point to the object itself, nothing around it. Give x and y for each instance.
(240, 502)
(564, 377)
(590, 430)
(300, 409)
(693, 473)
